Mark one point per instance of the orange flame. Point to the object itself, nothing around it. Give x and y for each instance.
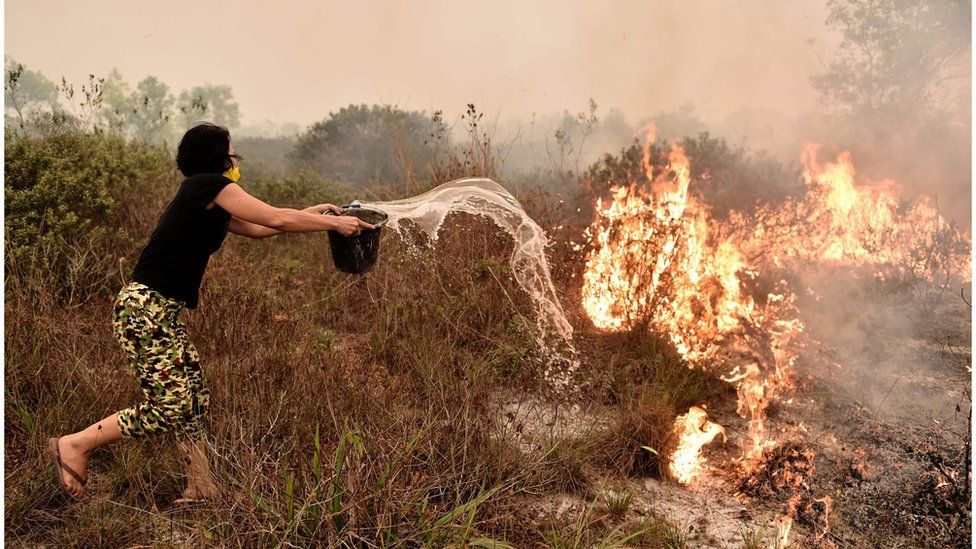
(838, 223)
(659, 262)
(694, 431)
(783, 526)
(644, 240)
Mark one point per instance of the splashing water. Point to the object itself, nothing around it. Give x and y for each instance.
(484, 197)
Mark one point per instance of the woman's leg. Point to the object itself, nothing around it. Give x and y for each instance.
(193, 446)
(76, 447)
(169, 374)
(176, 400)
(196, 464)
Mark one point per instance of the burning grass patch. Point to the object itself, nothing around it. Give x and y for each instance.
(782, 469)
(648, 385)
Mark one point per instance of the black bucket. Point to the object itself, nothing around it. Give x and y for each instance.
(357, 254)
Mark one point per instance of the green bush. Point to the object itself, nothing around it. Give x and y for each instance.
(264, 156)
(68, 198)
(727, 178)
(371, 144)
(298, 191)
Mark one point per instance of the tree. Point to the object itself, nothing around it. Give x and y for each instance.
(570, 139)
(144, 113)
(899, 88)
(363, 144)
(899, 60)
(26, 92)
(152, 110)
(681, 122)
(152, 113)
(212, 102)
(116, 100)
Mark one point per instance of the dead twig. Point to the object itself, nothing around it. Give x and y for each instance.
(888, 393)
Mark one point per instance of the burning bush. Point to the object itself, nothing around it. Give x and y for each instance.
(782, 469)
(728, 179)
(658, 260)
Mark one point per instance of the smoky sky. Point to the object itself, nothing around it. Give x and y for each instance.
(296, 61)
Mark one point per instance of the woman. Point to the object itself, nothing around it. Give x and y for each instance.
(167, 277)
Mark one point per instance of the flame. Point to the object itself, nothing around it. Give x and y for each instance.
(652, 255)
(783, 526)
(828, 504)
(751, 390)
(841, 224)
(658, 261)
(694, 431)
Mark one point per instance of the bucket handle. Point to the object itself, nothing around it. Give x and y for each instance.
(355, 205)
(343, 207)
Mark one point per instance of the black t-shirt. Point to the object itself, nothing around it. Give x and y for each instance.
(173, 261)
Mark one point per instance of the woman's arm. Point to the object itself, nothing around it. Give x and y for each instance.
(253, 230)
(245, 207)
(250, 230)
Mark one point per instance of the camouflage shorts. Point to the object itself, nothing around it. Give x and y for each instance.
(154, 340)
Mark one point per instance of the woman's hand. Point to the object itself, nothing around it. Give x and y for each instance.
(348, 225)
(241, 205)
(322, 208)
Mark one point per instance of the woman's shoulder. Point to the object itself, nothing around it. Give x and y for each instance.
(200, 189)
(205, 183)
(206, 178)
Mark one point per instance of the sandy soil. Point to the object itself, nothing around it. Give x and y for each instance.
(884, 420)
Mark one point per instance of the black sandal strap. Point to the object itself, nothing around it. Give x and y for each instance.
(71, 471)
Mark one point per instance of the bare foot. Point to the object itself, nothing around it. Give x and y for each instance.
(199, 481)
(194, 491)
(75, 457)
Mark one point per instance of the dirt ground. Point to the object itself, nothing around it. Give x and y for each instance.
(875, 434)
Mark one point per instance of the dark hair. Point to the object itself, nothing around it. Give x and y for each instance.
(204, 148)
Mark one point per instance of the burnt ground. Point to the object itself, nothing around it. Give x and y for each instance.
(887, 416)
(872, 442)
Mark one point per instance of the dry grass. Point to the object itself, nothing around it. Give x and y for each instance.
(345, 410)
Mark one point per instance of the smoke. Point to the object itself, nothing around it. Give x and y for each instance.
(744, 71)
(897, 353)
(516, 58)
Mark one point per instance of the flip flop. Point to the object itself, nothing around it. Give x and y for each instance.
(188, 501)
(184, 500)
(52, 447)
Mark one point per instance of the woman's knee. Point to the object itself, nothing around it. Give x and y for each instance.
(180, 408)
(187, 414)
(183, 413)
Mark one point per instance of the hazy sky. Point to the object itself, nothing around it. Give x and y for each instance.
(296, 61)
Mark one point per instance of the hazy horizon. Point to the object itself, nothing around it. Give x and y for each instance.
(513, 60)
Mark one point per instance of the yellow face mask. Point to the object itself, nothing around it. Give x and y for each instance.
(234, 174)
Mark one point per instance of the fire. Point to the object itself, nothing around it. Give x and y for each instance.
(783, 526)
(694, 431)
(837, 223)
(653, 254)
(751, 390)
(828, 505)
(658, 261)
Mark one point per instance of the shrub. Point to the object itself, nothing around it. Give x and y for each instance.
(265, 156)
(369, 144)
(298, 191)
(728, 178)
(69, 200)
